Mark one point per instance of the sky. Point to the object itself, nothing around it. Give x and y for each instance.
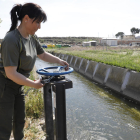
(76, 18)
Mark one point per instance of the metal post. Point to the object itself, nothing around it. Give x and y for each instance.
(61, 132)
(58, 86)
(48, 112)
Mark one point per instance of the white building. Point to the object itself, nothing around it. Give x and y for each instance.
(85, 44)
(89, 43)
(92, 43)
(109, 41)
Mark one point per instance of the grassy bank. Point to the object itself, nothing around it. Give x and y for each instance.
(33, 100)
(124, 57)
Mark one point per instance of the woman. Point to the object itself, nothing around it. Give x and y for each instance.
(19, 50)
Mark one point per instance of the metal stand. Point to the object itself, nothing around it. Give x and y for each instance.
(58, 86)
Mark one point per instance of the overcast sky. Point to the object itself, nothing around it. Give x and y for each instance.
(93, 18)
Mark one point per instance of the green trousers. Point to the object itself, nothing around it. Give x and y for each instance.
(12, 109)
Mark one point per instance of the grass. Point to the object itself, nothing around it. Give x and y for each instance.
(33, 101)
(121, 57)
(34, 104)
(32, 131)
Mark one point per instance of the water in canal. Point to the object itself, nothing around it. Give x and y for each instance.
(93, 113)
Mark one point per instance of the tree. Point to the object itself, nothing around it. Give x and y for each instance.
(120, 34)
(134, 31)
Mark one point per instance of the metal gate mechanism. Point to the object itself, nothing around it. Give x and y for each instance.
(54, 100)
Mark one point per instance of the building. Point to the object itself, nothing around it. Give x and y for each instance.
(85, 44)
(135, 44)
(109, 41)
(128, 37)
(129, 40)
(89, 43)
(92, 43)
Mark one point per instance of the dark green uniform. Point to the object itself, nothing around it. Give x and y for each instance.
(20, 52)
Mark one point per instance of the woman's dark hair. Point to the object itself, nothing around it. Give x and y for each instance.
(34, 11)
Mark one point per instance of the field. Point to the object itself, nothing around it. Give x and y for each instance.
(121, 56)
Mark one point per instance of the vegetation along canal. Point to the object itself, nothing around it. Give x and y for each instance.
(94, 113)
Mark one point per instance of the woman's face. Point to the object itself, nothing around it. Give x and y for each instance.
(32, 27)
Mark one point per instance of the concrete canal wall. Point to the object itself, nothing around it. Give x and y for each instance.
(123, 81)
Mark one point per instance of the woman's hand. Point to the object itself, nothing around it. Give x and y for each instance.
(53, 59)
(38, 84)
(63, 63)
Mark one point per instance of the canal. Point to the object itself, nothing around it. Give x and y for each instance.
(94, 113)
